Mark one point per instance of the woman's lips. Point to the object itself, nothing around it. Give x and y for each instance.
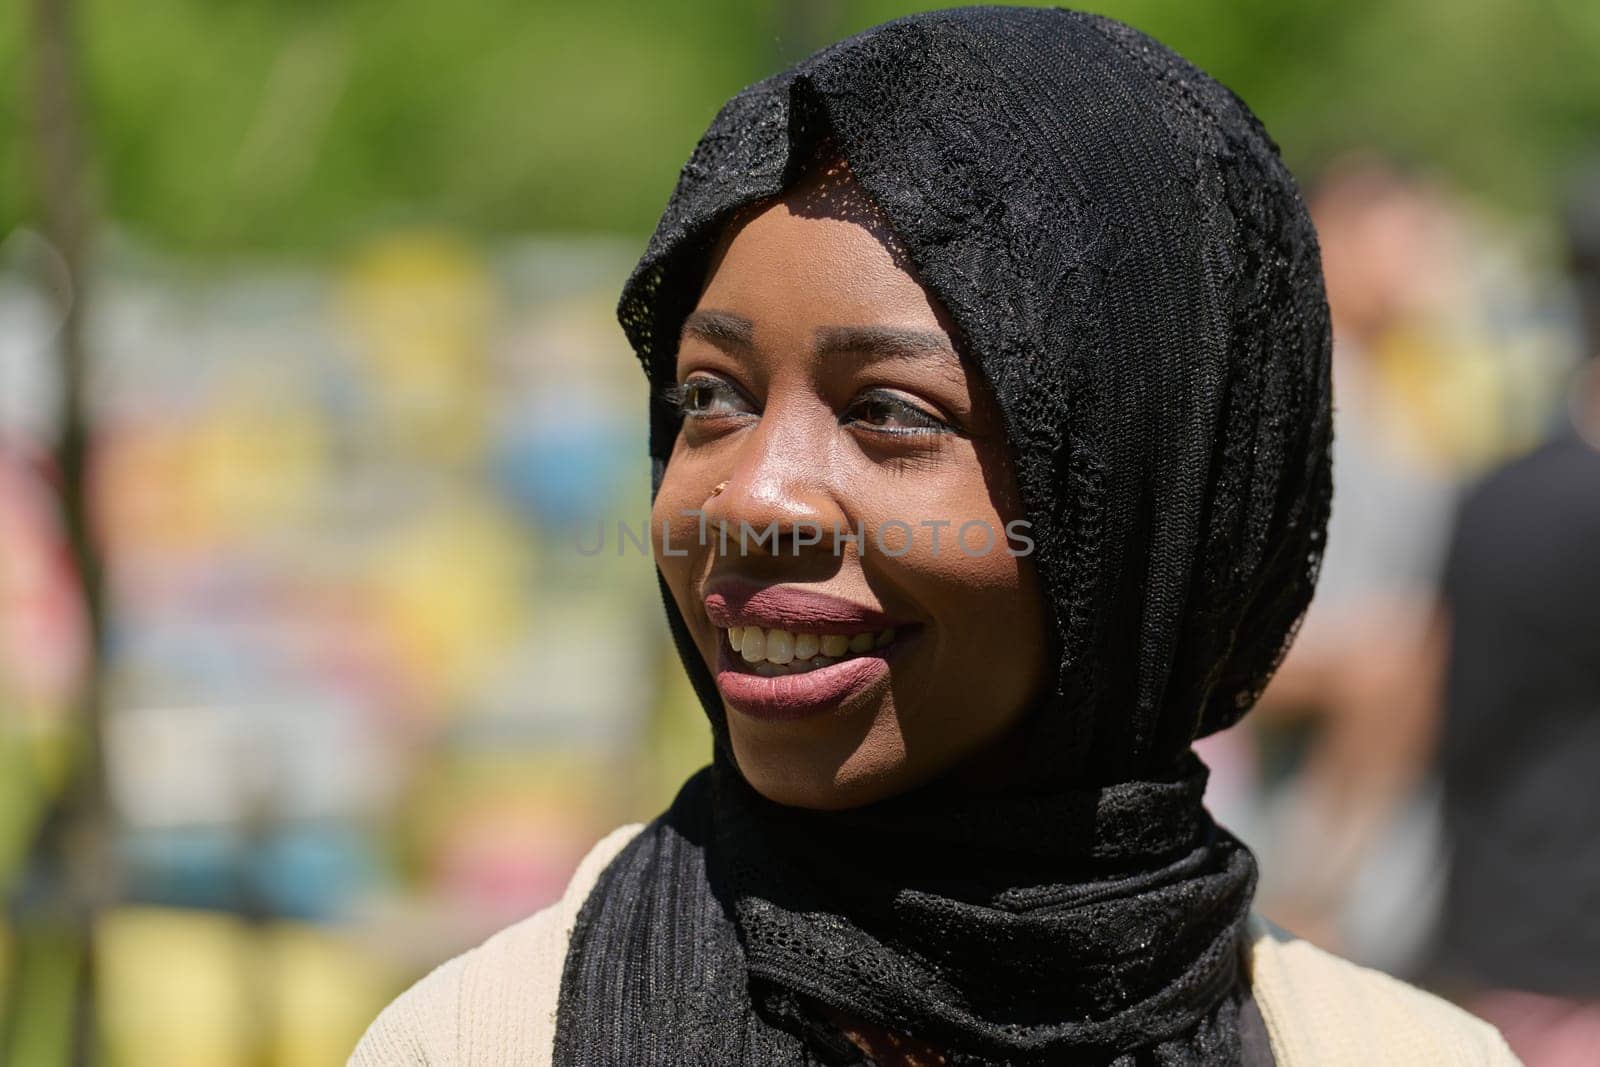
(786, 652)
(738, 602)
(786, 697)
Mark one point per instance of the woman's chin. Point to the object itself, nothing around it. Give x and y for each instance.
(821, 777)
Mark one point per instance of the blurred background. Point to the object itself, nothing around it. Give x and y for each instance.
(311, 394)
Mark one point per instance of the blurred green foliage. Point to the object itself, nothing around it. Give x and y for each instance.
(227, 126)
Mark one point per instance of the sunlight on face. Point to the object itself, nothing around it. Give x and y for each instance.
(823, 396)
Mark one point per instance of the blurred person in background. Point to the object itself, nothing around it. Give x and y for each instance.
(1347, 834)
(1519, 750)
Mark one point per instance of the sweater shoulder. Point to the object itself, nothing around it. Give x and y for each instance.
(1323, 1010)
(495, 1004)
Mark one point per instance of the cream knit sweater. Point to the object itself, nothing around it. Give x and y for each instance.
(495, 1006)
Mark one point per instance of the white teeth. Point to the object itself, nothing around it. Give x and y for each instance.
(834, 645)
(780, 646)
(774, 652)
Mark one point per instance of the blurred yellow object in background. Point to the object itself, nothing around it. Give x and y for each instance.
(1444, 399)
(173, 989)
(204, 989)
(325, 993)
(452, 590)
(418, 308)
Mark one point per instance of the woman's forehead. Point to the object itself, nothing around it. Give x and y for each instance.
(822, 260)
(824, 190)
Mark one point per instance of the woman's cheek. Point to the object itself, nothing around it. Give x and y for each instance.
(673, 535)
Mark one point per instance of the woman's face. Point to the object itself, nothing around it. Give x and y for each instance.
(878, 626)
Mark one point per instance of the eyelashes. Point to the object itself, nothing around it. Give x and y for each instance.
(693, 398)
(874, 407)
(673, 396)
(877, 411)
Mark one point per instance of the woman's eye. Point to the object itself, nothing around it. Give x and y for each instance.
(706, 397)
(887, 412)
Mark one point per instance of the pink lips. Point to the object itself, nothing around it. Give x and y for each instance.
(786, 697)
(735, 602)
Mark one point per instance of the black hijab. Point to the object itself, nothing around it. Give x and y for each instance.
(1133, 272)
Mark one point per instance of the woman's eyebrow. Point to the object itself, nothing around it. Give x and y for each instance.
(727, 330)
(883, 342)
(721, 328)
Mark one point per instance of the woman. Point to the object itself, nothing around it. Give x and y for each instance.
(1004, 269)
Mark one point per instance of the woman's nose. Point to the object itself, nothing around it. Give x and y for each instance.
(775, 497)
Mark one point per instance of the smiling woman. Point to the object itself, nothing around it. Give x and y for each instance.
(819, 383)
(968, 270)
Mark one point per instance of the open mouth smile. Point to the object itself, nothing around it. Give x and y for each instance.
(771, 653)
(786, 652)
(802, 687)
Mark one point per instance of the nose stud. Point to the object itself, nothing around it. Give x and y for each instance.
(719, 488)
